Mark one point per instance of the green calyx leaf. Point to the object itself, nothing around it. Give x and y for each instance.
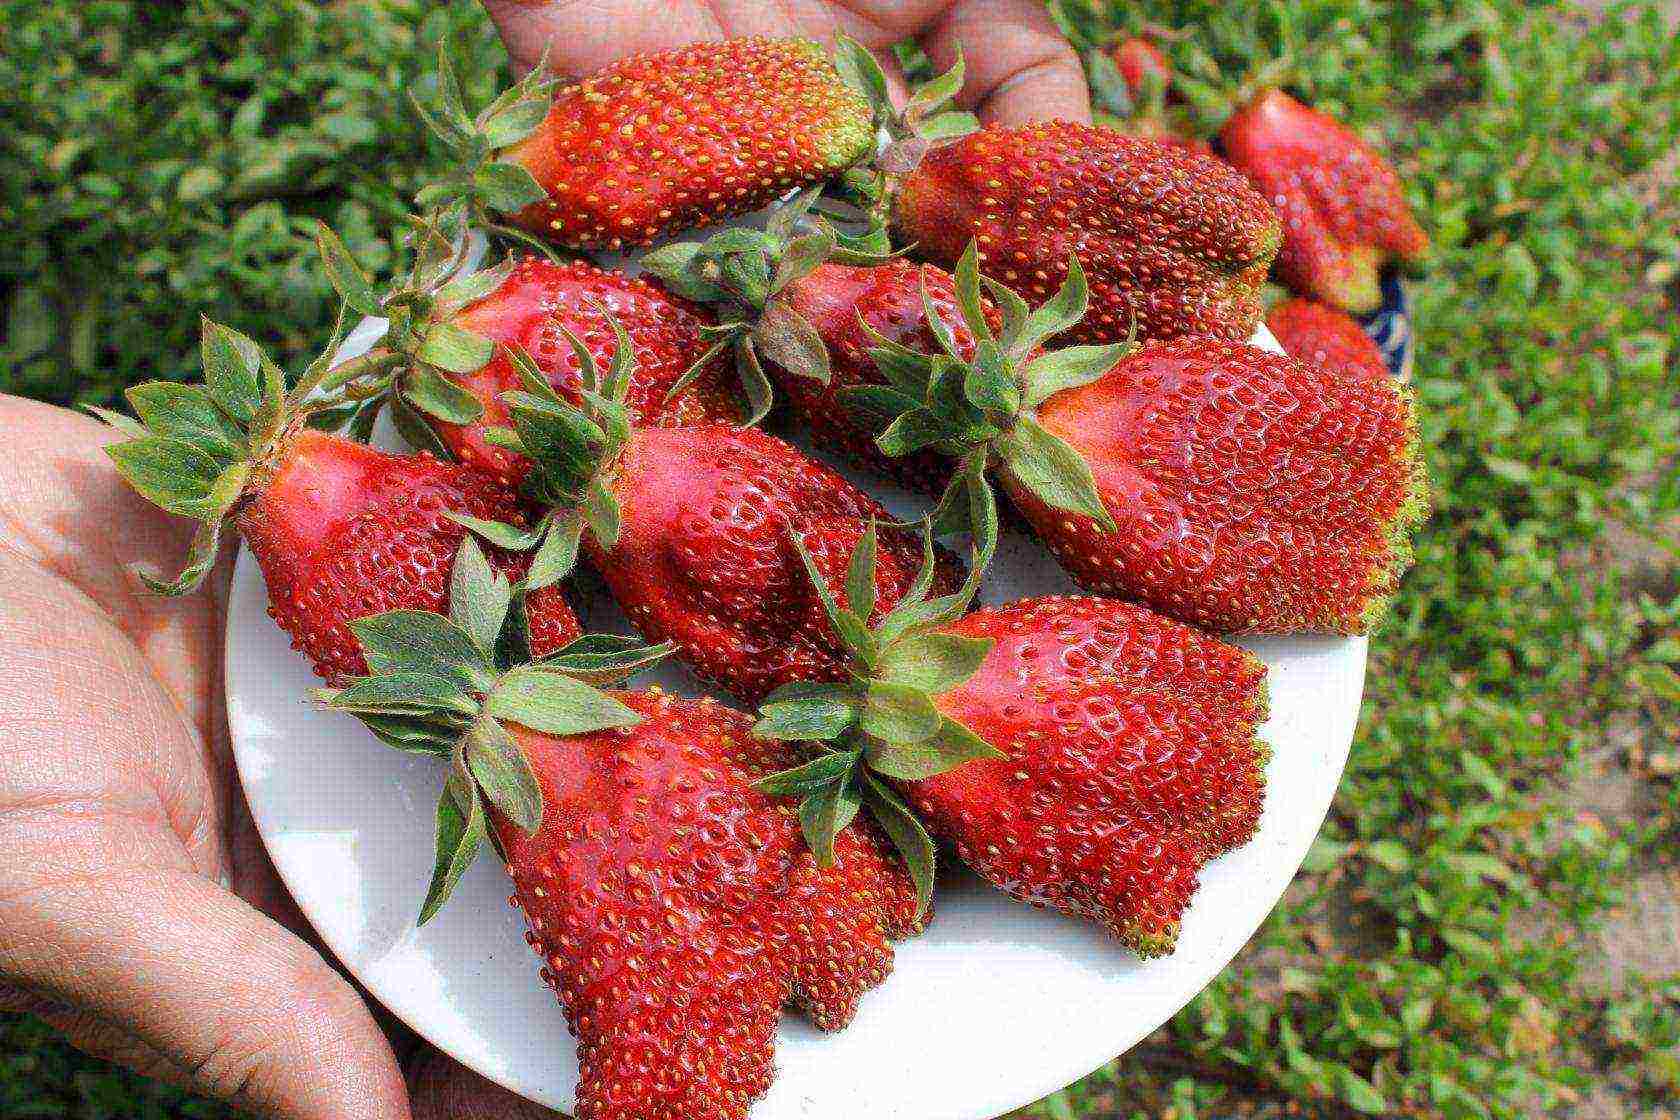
(345, 275)
(421, 641)
(546, 699)
(897, 713)
(948, 747)
(479, 596)
(860, 69)
(1052, 470)
(1069, 368)
(806, 711)
(807, 778)
(785, 337)
(454, 348)
(503, 773)
(574, 448)
(461, 829)
(933, 662)
(907, 833)
(433, 394)
(602, 659)
(824, 814)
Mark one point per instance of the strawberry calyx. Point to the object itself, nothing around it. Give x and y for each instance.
(197, 450)
(575, 452)
(742, 274)
(448, 686)
(982, 411)
(481, 184)
(882, 724)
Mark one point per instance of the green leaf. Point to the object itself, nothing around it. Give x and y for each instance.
(824, 814)
(500, 533)
(479, 596)
(503, 773)
(753, 381)
(233, 370)
(1014, 310)
(948, 125)
(1053, 471)
(933, 662)
(345, 275)
(898, 713)
(459, 833)
(912, 431)
(936, 323)
(201, 557)
(825, 713)
(966, 279)
(544, 700)
(425, 642)
(1359, 1093)
(414, 430)
(455, 349)
(802, 256)
(601, 510)
(860, 69)
(1069, 368)
(1059, 313)
(601, 659)
(989, 383)
(785, 338)
(933, 96)
(558, 555)
(127, 425)
(473, 286)
(860, 574)
(820, 773)
(679, 266)
(411, 734)
(507, 187)
(188, 412)
(948, 748)
(907, 834)
(514, 122)
(403, 692)
(172, 473)
(440, 398)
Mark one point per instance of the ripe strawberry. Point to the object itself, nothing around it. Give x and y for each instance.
(338, 528)
(1322, 336)
(1132, 90)
(1224, 485)
(1345, 215)
(1081, 754)
(657, 142)
(695, 532)
(674, 907)
(1174, 243)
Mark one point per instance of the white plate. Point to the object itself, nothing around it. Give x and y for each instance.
(995, 1007)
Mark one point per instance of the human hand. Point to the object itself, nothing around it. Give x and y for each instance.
(1019, 67)
(139, 914)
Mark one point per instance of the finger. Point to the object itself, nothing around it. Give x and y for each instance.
(440, 1088)
(176, 975)
(1019, 66)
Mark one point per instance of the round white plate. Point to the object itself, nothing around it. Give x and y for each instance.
(994, 1007)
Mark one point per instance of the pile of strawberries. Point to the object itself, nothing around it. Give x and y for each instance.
(1069, 327)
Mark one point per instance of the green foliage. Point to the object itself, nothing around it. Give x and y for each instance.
(166, 160)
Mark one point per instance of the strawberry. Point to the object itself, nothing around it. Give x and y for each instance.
(1322, 336)
(804, 304)
(655, 142)
(1226, 486)
(338, 528)
(1344, 213)
(1141, 64)
(674, 907)
(441, 369)
(1081, 754)
(1174, 243)
(694, 531)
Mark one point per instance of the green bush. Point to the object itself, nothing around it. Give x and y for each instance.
(165, 161)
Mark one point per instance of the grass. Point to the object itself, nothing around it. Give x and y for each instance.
(162, 161)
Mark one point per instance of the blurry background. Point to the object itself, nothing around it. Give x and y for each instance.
(1489, 925)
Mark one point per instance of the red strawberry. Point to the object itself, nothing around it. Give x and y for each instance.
(659, 142)
(1224, 485)
(1344, 213)
(1322, 336)
(536, 306)
(1079, 753)
(1177, 242)
(675, 908)
(1140, 63)
(339, 529)
(697, 533)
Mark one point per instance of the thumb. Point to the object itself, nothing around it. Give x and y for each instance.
(181, 980)
(444, 1089)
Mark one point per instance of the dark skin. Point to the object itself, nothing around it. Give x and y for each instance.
(139, 914)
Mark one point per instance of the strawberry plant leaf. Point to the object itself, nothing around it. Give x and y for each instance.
(859, 68)
(933, 662)
(898, 713)
(232, 370)
(188, 412)
(911, 431)
(201, 557)
(989, 382)
(425, 642)
(500, 533)
(127, 425)
(786, 338)
(344, 274)
(820, 716)
(860, 574)
(558, 555)
(545, 700)
(402, 692)
(760, 396)
(435, 395)
(513, 122)
(472, 287)
(948, 125)
(414, 430)
(818, 774)
(479, 596)
(936, 323)
(949, 747)
(503, 773)
(933, 96)
(602, 512)
(1053, 471)
(460, 831)
(802, 256)
(1014, 311)
(823, 814)
(906, 832)
(172, 473)
(601, 659)
(1059, 313)
(411, 734)
(454, 348)
(1069, 368)
(966, 279)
